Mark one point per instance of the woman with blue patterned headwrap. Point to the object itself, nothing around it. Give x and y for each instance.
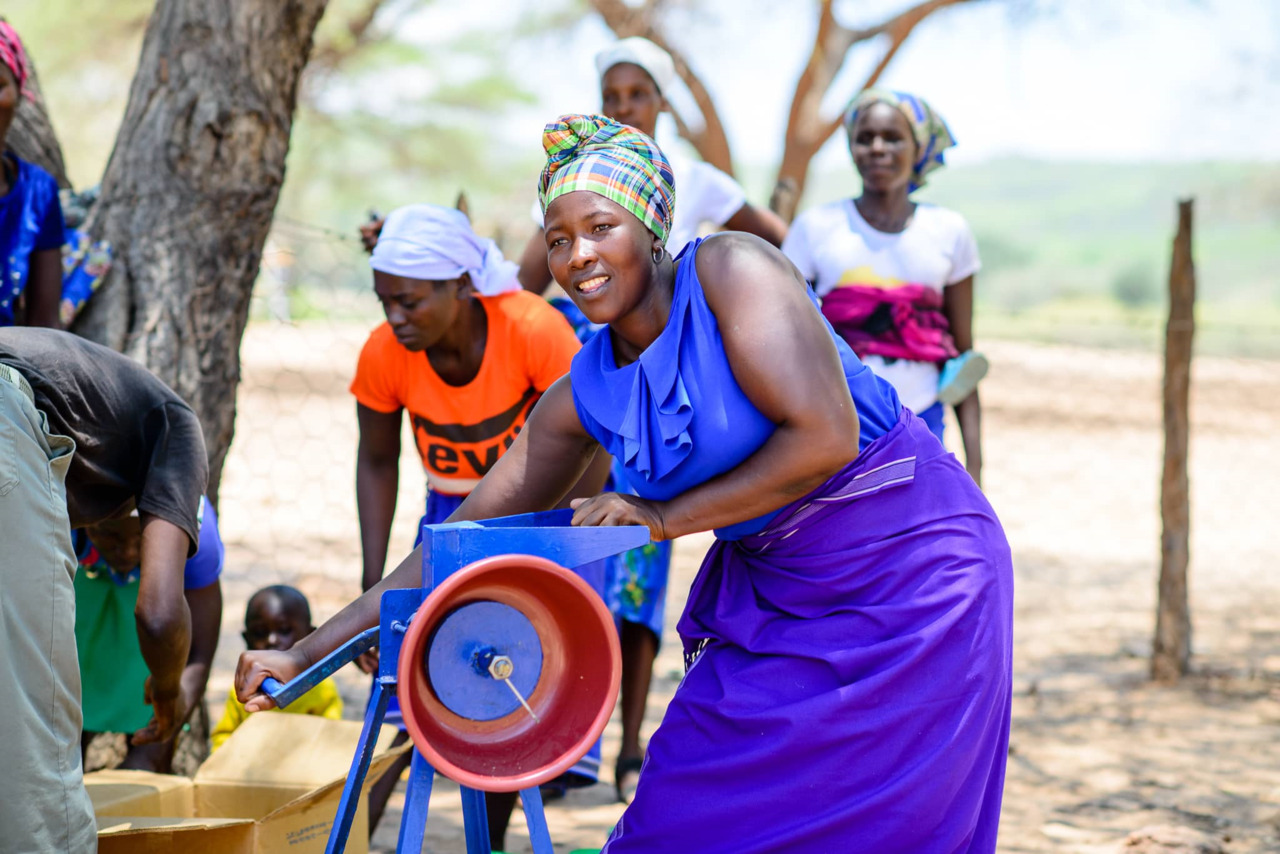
(848, 638)
(930, 133)
(896, 276)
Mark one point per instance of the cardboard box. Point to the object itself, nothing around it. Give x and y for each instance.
(274, 786)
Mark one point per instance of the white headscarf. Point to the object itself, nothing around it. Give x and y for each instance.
(436, 244)
(644, 53)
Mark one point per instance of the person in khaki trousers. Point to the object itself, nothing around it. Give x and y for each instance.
(86, 435)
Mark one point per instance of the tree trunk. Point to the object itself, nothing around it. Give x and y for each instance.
(31, 135)
(1171, 652)
(190, 190)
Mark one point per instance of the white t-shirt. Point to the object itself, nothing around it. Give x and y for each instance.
(833, 245)
(704, 194)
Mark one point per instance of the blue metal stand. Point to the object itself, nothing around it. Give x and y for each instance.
(446, 549)
(413, 821)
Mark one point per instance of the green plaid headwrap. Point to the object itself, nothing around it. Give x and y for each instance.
(597, 154)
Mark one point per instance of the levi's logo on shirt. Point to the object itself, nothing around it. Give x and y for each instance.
(470, 450)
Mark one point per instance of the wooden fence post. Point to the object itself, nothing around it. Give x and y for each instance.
(1171, 652)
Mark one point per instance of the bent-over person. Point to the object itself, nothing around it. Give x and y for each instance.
(86, 435)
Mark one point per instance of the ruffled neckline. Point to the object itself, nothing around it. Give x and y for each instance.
(646, 403)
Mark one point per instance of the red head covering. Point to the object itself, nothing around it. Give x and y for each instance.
(14, 57)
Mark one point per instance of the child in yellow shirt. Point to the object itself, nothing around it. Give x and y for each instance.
(276, 618)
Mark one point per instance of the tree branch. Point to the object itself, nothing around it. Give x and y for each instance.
(807, 130)
(834, 124)
(329, 55)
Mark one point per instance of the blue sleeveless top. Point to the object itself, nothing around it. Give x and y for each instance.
(676, 417)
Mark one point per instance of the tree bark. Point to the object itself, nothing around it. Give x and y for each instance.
(711, 142)
(189, 193)
(31, 135)
(807, 130)
(1171, 652)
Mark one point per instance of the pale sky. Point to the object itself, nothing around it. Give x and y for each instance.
(1099, 80)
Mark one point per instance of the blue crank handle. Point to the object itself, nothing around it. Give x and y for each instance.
(284, 694)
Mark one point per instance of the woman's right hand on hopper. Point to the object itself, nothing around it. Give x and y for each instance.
(256, 665)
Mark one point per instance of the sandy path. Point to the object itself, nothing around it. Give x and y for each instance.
(1073, 454)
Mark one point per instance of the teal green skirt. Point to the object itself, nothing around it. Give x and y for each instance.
(113, 673)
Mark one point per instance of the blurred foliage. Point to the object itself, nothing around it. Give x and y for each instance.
(1003, 252)
(63, 35)
(388, 112)
(398, 107)
(1136, 285)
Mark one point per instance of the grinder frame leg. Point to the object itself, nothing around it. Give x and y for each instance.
(352, 791)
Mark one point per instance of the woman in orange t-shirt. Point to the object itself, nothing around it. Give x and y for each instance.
(465, 350)
(468, 353)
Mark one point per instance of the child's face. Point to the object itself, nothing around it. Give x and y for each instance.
(270, 625)
(119, 541)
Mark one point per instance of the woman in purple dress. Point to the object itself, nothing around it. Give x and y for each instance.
(848, 638)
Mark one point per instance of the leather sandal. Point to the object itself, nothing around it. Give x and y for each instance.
(627, 767)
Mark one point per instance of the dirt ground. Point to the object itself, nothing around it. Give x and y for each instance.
(1073, 457)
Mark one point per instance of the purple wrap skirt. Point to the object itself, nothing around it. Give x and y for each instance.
(848, 682)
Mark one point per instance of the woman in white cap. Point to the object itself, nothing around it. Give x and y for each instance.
(464, 349)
